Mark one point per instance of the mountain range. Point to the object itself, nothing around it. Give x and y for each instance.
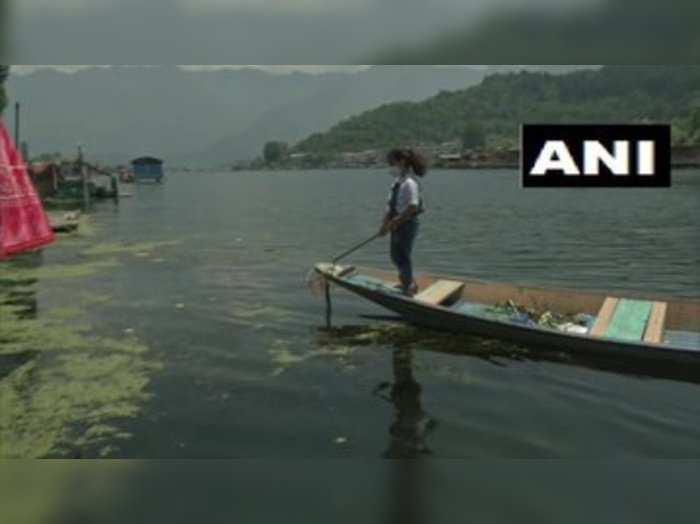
(208, 117)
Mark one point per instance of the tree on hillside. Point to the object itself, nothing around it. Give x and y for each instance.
(274, 152)
(694, 126)
(489, 114)
(473, 136)
(686, 129)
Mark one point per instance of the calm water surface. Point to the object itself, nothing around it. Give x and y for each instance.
(192, 332)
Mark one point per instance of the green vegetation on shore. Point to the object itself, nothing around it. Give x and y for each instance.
(498, 105)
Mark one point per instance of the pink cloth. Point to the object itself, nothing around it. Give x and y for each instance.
(23, 223)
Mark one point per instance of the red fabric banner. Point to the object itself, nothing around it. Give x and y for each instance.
(23, 223)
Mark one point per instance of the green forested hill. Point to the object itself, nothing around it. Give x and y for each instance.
(500, 103)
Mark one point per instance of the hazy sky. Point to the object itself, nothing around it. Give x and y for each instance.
(28, 69)
(278, 69)
(215, 31)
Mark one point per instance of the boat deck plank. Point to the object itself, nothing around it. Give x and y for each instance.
(655, 326)
(604, 317)
(439, 292)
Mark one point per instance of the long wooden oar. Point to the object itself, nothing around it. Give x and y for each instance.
(355, 248)
(363, 244)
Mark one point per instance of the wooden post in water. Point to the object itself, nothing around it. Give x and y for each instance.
(329, 305)
(84, 176)
(114, 185)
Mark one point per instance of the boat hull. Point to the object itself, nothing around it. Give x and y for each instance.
(446, 319)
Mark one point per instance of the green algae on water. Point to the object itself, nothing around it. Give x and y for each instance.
(12, 275)
(70, 389)
(283, 357)
(248, 312)
(140, 249)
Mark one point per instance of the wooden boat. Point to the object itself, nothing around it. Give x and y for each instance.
(616, 324)
(65, 223)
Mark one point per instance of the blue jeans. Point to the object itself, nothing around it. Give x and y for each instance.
(402, 241)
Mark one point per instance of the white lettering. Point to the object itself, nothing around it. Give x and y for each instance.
(646, 157)
(555, 156)
(595, 153)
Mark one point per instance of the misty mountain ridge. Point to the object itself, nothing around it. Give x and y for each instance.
(211, 118)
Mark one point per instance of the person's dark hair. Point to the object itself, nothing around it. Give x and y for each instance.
(409, 158)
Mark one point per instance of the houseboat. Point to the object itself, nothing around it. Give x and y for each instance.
(148, 169)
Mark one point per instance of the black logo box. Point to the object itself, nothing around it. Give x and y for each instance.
(534, 136)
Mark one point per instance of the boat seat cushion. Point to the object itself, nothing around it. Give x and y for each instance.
(439, 292)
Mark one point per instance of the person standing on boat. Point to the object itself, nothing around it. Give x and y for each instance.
(401, 218)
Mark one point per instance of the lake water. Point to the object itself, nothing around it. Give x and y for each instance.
(179, 325)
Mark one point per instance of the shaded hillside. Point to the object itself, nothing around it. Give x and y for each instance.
(502, 102)
(335, 97)
(204, 117)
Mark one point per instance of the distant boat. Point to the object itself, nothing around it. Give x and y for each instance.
(148, 169)
(610, 324)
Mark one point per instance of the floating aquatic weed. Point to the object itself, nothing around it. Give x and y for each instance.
(19, 335)
(379, 334)
(18, 276)
(259, 317)
(139, 249)
(64, 313)
(284, 358)
(89, 298)
(254, 312)
(72, 391)
(51, 409)
(86, 227)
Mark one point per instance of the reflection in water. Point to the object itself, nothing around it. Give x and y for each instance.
(406, 505)
(18, 300)
(502, 354)
(411, 424)
(407, 442)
